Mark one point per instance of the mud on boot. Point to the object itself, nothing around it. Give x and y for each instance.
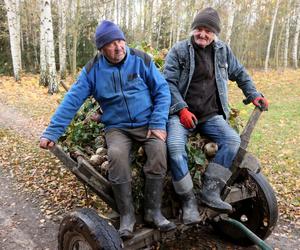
(152, 206)
(123, 198)
(215, 178)
(189, 204)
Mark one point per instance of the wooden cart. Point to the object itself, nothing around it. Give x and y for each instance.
(251, 196)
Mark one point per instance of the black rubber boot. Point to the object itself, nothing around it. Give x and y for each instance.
(189, 205)
(153, 215)
(123, 198)
(190, 213)
(215, 178)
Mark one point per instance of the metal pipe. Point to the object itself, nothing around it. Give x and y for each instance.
(253, 237)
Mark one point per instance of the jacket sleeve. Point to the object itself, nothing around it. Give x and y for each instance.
(238, 73)
(71, 103)
(172, 75)
(161, 98)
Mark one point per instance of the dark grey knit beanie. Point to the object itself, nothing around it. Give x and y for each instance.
(209, 18)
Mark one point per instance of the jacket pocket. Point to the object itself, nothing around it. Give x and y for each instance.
(135, 83)
(224, 70)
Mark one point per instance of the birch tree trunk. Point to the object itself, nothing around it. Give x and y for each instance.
(130, 18)
(278, 46)
(117, 12)
(150, 21)
(75, 39)
(47, 36)
(179, 6)
(159, 28)
(171, 26)
(13, 17)
(231, 8)
(296, 37)
(62, 38)
(123, 21)
(287, 36)
(43, 61)
(271, 35)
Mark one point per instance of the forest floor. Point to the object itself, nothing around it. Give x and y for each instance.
(36, 181)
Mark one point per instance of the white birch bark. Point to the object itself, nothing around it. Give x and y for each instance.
(287, 36)
(75, 38)
(171, 26)
(13, 17)
(47, 27)
(62, 38)
(179, 6)
(296, 37)
(43, 62)
(130, 18)
(231, 8)
(159, 28)
(150, 21)
(271, 35)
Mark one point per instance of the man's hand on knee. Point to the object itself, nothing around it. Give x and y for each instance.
(159, 133)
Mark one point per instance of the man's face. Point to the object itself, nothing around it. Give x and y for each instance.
(114, 51)
(203, 36)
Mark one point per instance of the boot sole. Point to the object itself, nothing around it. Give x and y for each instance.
(151, 224)
(191, 223)
(217, 208)
(126, 235)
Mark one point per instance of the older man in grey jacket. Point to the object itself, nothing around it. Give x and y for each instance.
(197, 71)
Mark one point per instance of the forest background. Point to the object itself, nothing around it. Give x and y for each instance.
(47, 37)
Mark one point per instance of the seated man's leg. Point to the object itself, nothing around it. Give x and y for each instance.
(119, 147)
(178, 160)
(218, 171)
(155, 172)
(225, 136)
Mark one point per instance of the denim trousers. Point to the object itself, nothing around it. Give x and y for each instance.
(216, 128)
(119, 145)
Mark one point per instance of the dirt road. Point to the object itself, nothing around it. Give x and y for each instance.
(23, 226)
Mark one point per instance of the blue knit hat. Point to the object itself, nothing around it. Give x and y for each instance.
(107, 32)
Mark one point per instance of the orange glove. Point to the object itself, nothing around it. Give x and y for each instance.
(261, 102)
(187, 118)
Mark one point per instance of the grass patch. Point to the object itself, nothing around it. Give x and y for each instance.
(276, 139)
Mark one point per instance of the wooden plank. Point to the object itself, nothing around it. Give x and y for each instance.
(87, 175)
(144, 237)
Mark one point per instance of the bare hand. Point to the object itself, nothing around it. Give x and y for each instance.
(95, 117)
(159, 133)
(46, 143)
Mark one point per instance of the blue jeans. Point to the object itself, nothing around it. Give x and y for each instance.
(216, 128)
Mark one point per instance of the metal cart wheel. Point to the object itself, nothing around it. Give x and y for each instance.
(84, 229)
(259, 213)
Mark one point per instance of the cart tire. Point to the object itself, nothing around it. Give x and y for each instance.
(85, 229)
(261, 213)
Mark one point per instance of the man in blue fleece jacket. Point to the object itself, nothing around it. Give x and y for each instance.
(135, 101)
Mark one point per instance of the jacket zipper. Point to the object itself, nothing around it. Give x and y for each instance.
(124, 97)
(115, 82)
